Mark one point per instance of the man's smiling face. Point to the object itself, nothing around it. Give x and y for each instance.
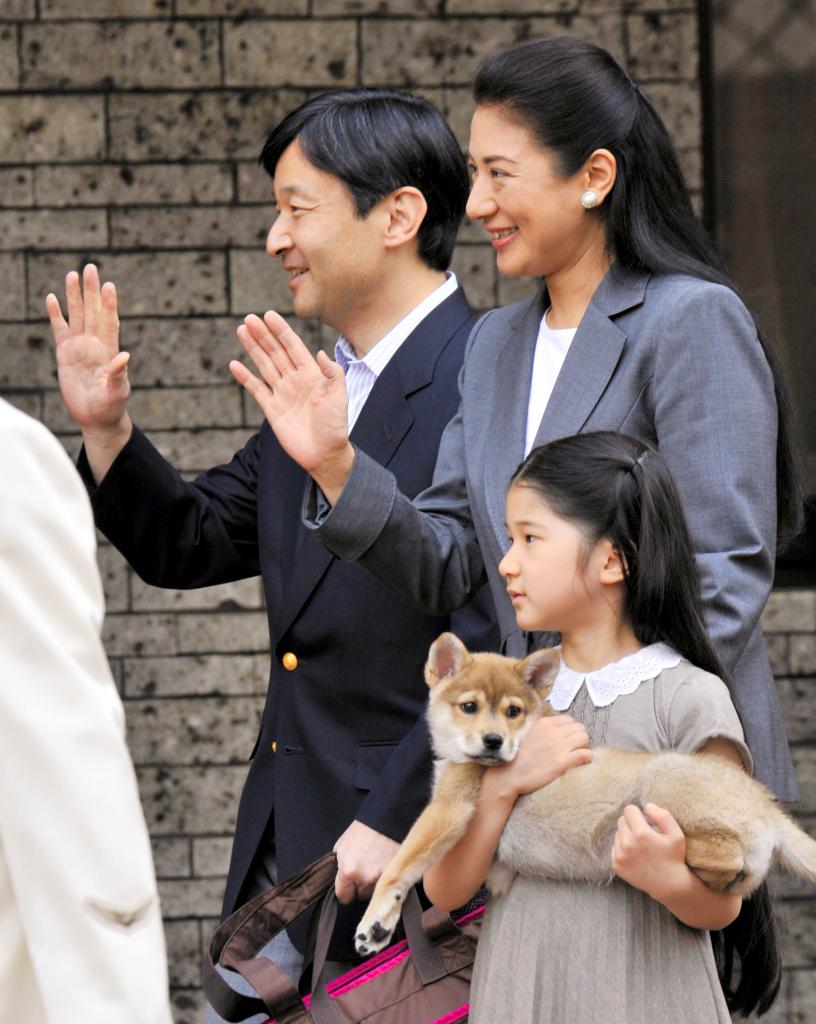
(332, 255)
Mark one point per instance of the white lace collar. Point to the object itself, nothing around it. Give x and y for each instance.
(611, 681)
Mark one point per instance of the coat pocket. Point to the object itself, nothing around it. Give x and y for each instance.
(370, 761)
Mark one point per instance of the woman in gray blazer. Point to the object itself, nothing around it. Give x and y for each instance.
(635, 329)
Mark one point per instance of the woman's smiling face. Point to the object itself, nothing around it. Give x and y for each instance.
(531, 211)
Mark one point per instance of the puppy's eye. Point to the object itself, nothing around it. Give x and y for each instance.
(513, 711)
(470, 707)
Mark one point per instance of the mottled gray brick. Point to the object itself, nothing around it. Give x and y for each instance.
(417, 52)
(188, 897)
(28, 402)
(9, 62)
(16, 186)
(242, 8)
(164, 283)
(802, 654)
(803, 993)
(513, 289)
(122, 184)
(800, 940)
(180, 351)
(191, 800)
(145, 54)
(255, 186)
(804, 762)
(190, 227)
(36, 129)
(258, 283)
(241, 594)
(53, 229)
(59, 9)
(114, 572)
(797, 697)
(18, 10)
(413, 8)
(475, 267)
(244, 632)
(662, 45)
(790, 611)
(12, 294)
(228, 674)
(313, 53)
(183, 938)
(196, 125)
(512, 8)
(457, 106)
(172, 856)
(139, 634)
(27, 356)
(211, 856)
(165, 408)
(778, 653)
(196, 450)
(678, 104)
(189, 1004)
(193, 730)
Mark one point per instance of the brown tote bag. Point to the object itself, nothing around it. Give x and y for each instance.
(425, 979)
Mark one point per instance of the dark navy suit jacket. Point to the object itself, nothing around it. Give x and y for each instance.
(342, 734)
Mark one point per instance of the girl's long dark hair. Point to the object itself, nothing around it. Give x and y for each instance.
(615, 487)
(575, 98)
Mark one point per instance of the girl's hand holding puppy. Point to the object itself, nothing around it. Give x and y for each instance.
(649, 853)
(552, 746)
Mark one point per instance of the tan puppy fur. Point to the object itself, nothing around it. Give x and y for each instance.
(480, 708)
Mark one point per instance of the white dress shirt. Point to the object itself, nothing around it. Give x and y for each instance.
(550, 352)
(362, 374)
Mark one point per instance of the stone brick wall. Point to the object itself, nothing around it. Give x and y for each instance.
(129, 133)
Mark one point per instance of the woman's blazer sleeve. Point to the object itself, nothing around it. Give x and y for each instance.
(716, 423)
(426, 548)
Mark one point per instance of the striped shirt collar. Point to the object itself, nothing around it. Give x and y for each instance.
(380, 354)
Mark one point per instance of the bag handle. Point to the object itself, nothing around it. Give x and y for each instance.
(239, 938)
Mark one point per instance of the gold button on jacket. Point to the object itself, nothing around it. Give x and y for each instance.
(289, 661)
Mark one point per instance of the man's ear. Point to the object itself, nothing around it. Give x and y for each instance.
(446, 657)
(406, 209)
(539, 669)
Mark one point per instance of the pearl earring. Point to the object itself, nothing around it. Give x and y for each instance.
(589, 199)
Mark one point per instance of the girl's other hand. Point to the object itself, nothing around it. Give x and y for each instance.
(649, 851)
(552, 746)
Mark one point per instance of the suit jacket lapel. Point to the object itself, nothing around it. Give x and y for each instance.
(506, 420)
(380, 428)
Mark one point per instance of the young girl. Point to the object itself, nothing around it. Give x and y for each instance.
(600, 552)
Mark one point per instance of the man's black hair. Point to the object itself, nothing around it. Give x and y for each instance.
(376, 141)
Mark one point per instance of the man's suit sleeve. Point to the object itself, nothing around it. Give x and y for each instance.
(716, 422)
(426, 548)
(74, 843)
(173, 532)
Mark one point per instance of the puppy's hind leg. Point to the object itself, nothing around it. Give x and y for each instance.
(436, 830)
(717, 857)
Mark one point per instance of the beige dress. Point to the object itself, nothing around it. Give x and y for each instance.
(556, 952)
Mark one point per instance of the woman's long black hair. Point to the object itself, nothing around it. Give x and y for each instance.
(575, 98)
(618, 488)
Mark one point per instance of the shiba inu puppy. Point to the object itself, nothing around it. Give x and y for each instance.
(480, 708)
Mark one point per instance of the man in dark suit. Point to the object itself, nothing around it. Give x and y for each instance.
(370, 188)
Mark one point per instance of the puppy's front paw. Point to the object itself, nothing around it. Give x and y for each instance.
(499, 878)
(377, 926)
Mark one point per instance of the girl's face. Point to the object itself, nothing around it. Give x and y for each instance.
(533, 214)
(553, 581)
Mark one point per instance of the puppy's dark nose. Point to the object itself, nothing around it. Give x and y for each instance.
(492, 741)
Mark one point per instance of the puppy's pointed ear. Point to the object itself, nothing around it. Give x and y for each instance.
(446, 657)
(539, 669)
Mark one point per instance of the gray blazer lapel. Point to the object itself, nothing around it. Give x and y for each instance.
(592, 357)
(504, 446)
